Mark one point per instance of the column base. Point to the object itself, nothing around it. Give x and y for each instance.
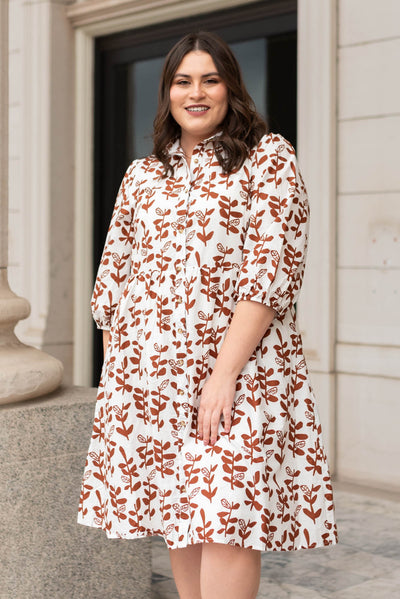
(25, 372)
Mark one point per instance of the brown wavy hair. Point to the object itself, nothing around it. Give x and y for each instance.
(242, 127)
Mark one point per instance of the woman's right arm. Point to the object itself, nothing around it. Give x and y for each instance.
(114, 268)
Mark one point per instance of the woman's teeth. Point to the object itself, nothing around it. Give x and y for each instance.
(198, 109)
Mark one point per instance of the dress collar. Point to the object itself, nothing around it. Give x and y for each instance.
(174, 147)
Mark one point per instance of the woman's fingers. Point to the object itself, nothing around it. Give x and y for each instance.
(208, 423)
(200, 420)
(206, 427)
(215, 420)
(216, 399)
(227, 412)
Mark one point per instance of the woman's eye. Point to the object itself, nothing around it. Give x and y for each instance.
(182, 82)
(212, 81)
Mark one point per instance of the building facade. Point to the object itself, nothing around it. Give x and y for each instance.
(348, 127)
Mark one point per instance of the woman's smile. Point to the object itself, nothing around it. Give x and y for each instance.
(198, 110)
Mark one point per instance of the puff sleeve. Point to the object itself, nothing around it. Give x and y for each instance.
(115, 262)
(275, 244)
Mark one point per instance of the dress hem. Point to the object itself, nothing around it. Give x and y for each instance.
(195, 540)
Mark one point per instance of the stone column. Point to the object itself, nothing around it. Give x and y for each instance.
(25, 372)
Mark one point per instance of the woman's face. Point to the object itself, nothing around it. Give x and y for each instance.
(198, 97)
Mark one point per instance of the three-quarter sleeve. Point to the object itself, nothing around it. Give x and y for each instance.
(114, 268)
(275, 244)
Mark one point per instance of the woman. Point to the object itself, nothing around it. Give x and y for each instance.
(205, 429)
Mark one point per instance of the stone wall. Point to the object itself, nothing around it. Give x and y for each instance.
(45, 553)
(368, 269)
(41, 173)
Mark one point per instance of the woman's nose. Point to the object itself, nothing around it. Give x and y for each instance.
(197, 91)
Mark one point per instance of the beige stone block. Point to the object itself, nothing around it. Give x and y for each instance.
(368, 306)
(369, 230)
(56, 424)
(52, 556)
(16, 32)
(15, 139)
(368, 441)
(15, 186)
(368, 155)
(16, 280)
(15, 78)
(59, 318)
(366, 83)
(64, 353)
(372, 360)
(359, 21)
(46, 554)
(15, 239)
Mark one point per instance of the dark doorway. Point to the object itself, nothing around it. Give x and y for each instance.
(263, 36)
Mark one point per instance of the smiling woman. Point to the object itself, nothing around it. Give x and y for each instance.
(206, 430)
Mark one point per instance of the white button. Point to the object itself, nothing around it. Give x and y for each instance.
(178, 268)
(178, 300)
(195, 161)
(180, 391)
(182, 422)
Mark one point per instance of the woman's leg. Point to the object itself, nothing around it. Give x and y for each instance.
(229, 572)
(185, 565)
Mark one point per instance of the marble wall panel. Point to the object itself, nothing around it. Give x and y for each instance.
(372, 360)
(368, 306)
(368, 155)
(367, 422)
(369, 230)
(367, 83)
(361, 21)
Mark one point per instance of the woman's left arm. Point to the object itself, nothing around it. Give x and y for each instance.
(249, 322)
(270, 275)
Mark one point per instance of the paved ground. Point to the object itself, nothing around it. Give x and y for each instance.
(364, 565)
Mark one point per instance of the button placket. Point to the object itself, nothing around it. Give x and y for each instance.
(182, 383)
(180, 311)
(183, 415)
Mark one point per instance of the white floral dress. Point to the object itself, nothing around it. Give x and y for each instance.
(180, 253)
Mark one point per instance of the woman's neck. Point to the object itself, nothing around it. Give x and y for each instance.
(189, 142)
(188, 145)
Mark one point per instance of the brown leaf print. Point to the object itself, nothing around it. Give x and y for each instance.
(181, 251)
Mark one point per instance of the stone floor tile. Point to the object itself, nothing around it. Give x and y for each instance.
(161, 561)
(296, 592)
(362, 505)
(394, 575)
(268, 590)
(319, 578)
(377, 588)
(164, 589)
(363, 563)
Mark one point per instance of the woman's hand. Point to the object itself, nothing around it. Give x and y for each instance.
(217, 397)
(248, 325)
